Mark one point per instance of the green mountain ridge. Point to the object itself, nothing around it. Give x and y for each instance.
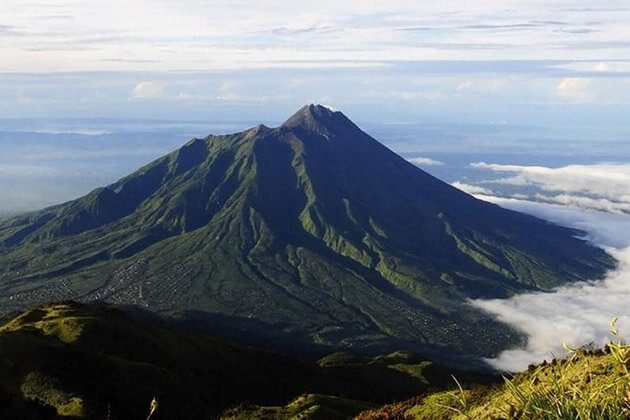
(311, 234)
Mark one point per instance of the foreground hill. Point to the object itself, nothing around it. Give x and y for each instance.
(309, 234)
(74, 360)
(588, 385)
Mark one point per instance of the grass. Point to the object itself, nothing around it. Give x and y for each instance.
(57, 320)
(586, 385)
(46, 390)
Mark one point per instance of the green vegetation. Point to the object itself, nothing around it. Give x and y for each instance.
(587, 385)
(42, 389)
(310, 237)
(73, 360)
(308, 406)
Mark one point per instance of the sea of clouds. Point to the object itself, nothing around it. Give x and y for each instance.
(578, 314)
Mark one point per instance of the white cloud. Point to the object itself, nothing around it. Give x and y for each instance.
(487, 86)
(602, 67)
(203, 35)
(151, 90)
(148, 90)
(183, 96)
(226, 92)
(326, 100)
(471, 189)
(404, 95)
(600, 186)
(229, 97)
(424, 161)
(601, 204)
(577, 314)
(487, 62)
(26, 170)
(596, 200)
(575, 89)
(231, 91)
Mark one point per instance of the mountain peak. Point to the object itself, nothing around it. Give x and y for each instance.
(315, 117)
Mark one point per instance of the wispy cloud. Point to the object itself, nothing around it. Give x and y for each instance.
(472, 189)
(30, 170)
(602, 67)
(593, 203)
(576, 89)
(465, 58)
(424, 161)
(599, 186)
(484, 86)
(148, 90)
(296, 30)
(200, 35)
(8, 29)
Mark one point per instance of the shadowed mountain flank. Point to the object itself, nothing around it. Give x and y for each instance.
(69, 360)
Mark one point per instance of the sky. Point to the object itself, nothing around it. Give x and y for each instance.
(504, 62)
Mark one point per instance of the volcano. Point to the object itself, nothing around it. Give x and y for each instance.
(310, 233)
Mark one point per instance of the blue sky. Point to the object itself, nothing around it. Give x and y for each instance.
(560, 63)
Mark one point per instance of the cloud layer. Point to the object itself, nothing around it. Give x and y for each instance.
(600, 187)
(577, 314)
(36, 35)
(509, 61)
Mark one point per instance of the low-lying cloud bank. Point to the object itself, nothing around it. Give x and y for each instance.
(578, 314)
(424, 161)
(603, 186)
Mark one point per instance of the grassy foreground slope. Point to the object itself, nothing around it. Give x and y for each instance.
(73, 360)
(588, 385)
(312, 231)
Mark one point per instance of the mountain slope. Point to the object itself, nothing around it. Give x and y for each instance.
(311, 232)
(588, 385)
(74, 360)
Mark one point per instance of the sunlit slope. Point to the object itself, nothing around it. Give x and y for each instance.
(312, 230)
(588, 385)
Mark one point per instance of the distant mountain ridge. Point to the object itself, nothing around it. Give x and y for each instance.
(311, 231)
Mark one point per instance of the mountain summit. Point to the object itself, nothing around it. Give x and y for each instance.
(311, 232)
(313, 117)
